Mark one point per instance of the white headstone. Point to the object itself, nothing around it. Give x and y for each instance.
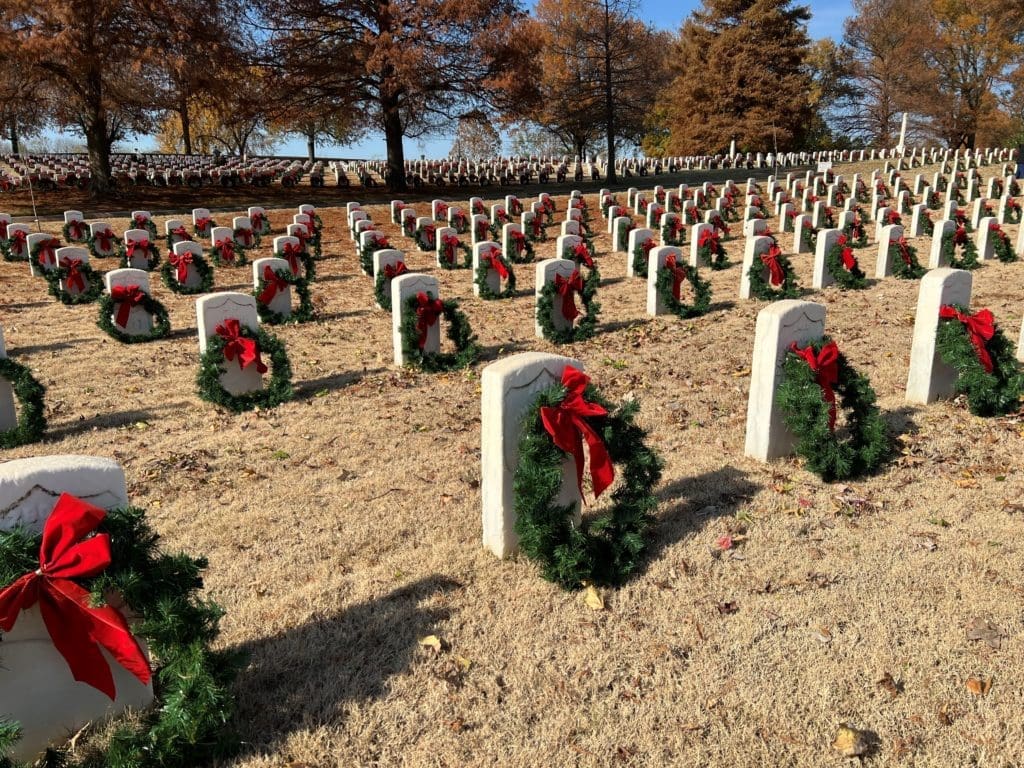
(212, 310)
(942, 228)
(493, 278)
(140, 322)
(826, 239)
(752, 251)
(930, 378)
(545, 273)
(403, 288)
(636, 237)
(655, 261)
(281, 302)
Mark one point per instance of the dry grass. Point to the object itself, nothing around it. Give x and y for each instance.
(344, 526)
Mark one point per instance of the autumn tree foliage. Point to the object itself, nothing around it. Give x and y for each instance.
(740, 73)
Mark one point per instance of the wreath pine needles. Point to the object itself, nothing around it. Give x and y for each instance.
(671, 236)
(93, 283)
(191, 681)
(168, 273)
(711, 250)
(856, 234)
(579, 331)
(988, 393)
(382, 285)
(69, 235)
(482, 271)
(969, 251)
(152, 256)
(116, 246)
(608, 549)
(1001, 245)
(211, 366)
(641, 257)
(761, 288)
(161, 320)
(301, 314)
(31, 409)
(459, 333)
(6, 246)
(903, 257)
(834, 454)
(51, 245)
(524, 256)
(665, 285)
(843, 267)
(308, 264)
(366, 254)
(227, 253)
(451, 261)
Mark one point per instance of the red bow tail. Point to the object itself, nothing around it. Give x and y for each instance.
(246, 350)
(126, 297)
(427, 312)
(980, 330)
(567, 288)
(826, 367)
(776, 276)
(272, 284)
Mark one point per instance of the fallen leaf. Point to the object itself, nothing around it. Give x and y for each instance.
(823, 636)
(889, 685)
(979, 687)
(983, 629)
(724, 542)
(431, 641)
(943, 715)
(592, 598)
(464, 663)
(727, 608)
(850, 742)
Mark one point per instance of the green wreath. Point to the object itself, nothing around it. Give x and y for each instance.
(239, 260)
(67, 234)
(8, 254)
(969, 260)
(191, 681)
(1013, 213)
(988, 394)
(93, 280)
(467, 257)
(905, 265)
(459, 333)
(152, 257)
(171, 241)
(460, 223)
(809, 236)
(149, 225)
(33, 255)
(302, 314)
(238, 232)
(308, 265)
(716, 259)
(278, 390)
(800, 398)
(856, 234)
(701, 293)
(1002, 247)
(409, 226)
(204, 233)
(31, 411)
(610, 548)
(847, 279)
(623, 242)
(366, 254)
(668, 238)
(202, 268)
(116, 243)
(586, 327)
(641, 257)
(760, 287)
(161, 320)
(382, 288)
(485, 290)
(527, 255)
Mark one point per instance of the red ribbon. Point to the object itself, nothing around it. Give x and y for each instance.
(567, 288)
(679, 273)
(391, 272)
(77, 629)
(481, 229)
(448, 244)
(825, 365)
(519, 241)
(142, 245)
(776, 275)
(292, 252)
(849, 260)
(428, 235)
(427, 312)
(535, 223)
(980, 329)
(960, 236)
(203, 223)
(246, 350)
(75, 228)
(492, 259)
(227, 249)
(126, 297)
(582, 255)
(47, 252)
(442, 210)
(182, 233)
(568, 426)
(709, 238)
(894, 217)
(18, 241)
(272, 284)
(904, 250)
(256, 219)
(141, 222)
(75, 277)
(182, 264)
(105, 240)
(245, 234)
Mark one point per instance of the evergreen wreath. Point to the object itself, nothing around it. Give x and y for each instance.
(149, 225)
(31, 412)
(959, 238)
(296, 257)
(50, 245)
(246, 234)
(227, 253)
(711, 250)
(208, 225)
(512, 243)
(152, 254)
(161, 320)
(623, 242)
(933, 200)
(278, 389)
(115, 242)
(803, 398)
(668, 282)
(1014, 189)
(92, 279)
(641, 257)
(985, 360)
(459, 333)
(608, 549)
(301, 314)
(809, 236)
(586, 327)
(6, 245)
(843, 267)
(1013, 212)
(673, 232)
(179, 235)
(75, 232)
(856, 233)
(903, 257)
(481, 276)
(409, 226)
(483, 230)
(1001, 245)
(459, 222)
(201, 267)
(962, 220)
(366, 253)
(927, 225)
(260, 225)
(448, 258)
(762, 288)
(382, 285)
(421, 234)
(536, 231)
(582, 255)
(191, 681)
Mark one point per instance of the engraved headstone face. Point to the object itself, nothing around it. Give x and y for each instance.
(140, 322)
(403, 288)
(509, 387)
(655, 261)
(212, 310)
(493, 279)
(778, 325)
(140, 258)
(929, 378)
(545, 273)
(37, 689)
(281, 301)
(889, 234)
(752, 250)
(192, 278)
(70, 216)
(826, 239)
(942, 228)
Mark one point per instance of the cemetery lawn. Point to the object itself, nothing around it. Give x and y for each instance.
(343, 532)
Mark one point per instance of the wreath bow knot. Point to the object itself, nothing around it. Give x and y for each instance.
(133, 245)
(105, 239)
(582, 254)
(567, 289)
(427, 312)
(47, 252)
(393, 271)
(273, 284)
(75, 278)
(237, 346)
(492, 259)
(181, 264)
(980, 330)
(679, 274)
(226, 247)
(292, 253)
(825, 365)
(126, 297)
(776, 275)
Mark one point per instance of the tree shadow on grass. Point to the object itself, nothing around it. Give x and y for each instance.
(494, 351)
(31, 349)
(313, 387)
(116, 420)
(302, 677)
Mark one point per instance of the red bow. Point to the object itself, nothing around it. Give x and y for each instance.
(291, 253)
(75, 228)
(567, 288)
(894, 217)
(75, 278)
(568, 426)
(256, 219)
(47, 252)
(126, 297)
(904, 250)
(246, 350)
(182, 263)
(182, 233)
(478, 208)
(18, 241)
(442, 210)
(380, 242)
(448, 244)
(709, 238)
(227, 249)
(849, 260)
(826, 367)
(519, 241)
(245, 234)
(105, 240)
(980, 329)
(675, 226)
(427, 235)
(481, 229)
(492, 259)
(582, 255)
(391, 272)
(272, 284)
(960, 236)
(427, 312)
(776, 275)
(679, 273)
(134, 245)
(203, 223)
(141, 222)
(535, 223)
(77, 629)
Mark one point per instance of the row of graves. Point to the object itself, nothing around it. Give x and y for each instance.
(548, 435)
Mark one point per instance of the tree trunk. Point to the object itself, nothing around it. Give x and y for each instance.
(97, 142)
(609, 102)
(186, 124)
(393, 139)
(14, 137)
(311, 146)
(580, 145)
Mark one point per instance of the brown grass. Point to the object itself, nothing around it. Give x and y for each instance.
(343, 527)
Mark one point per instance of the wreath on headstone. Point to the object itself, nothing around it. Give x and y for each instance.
(260, 226)
(809, 235)
(519, 248)
(1013, 212)
(493, 259)
(816, 382)
(987, 369)
(448, 256)
(641, 257)
(382, 285)
(623, 241)
(202, 227)
(608, 549)
(1001, 245)
(842, 265)
(75, 232)
(781, 281)
(669, 283)
(226, 253)
(274, 280)
(459, 222)
(366, 252)
(123, 298)
(109, 241)
(903, 257)
(536, 231)
(79, 274)
(141, 222)
(856, 233)
(711, 250)
(191, 681)
(19, 238)
(36, 254)
(568, 289)
(232, 341)
(178, 265)
(958, 242)
(673, 232)
(421, 312)
(298, 258)
(425, 237)
(178, 235)
(31, 410)
(247, 236)
(583, 256)
(146, 246)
